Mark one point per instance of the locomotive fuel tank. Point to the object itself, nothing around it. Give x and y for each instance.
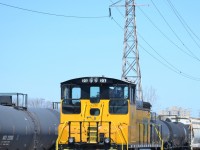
(21, 129)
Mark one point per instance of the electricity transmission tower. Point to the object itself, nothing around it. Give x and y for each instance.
(130, 67)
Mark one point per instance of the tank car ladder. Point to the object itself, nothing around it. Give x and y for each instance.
(36, 129)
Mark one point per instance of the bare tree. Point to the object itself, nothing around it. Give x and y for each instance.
(39, 103)
(149, 95)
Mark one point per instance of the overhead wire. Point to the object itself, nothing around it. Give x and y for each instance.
(157, 52)
(167, 64)
(148, 18)
(184, 24)
(89, 17)
(117, 23)
(176, 71)
(157, 59)
(112, 18)
(114, 3)
(53, 14)
(174, 31)
(117, 7)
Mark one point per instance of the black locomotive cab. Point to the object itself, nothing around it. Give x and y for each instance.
(96, 89)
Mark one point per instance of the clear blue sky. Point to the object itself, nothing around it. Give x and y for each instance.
(39, 51)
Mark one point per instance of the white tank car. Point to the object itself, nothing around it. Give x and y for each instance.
(195, 123)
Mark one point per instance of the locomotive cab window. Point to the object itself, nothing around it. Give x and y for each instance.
(94, 94)
(118, 103)
(118, 106)
(76, 93)
(71, 103)
(118, 91)
(132, 95)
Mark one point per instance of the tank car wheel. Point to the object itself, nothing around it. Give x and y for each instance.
(168, 146)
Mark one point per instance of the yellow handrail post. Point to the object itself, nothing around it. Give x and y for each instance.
(124, 137)
(59, 137)
(158, 133)
(57, 144)
(118, 134)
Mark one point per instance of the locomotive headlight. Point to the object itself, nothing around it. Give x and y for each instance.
(95, 80)
(91, 80)
(107, 140)
(71, 140)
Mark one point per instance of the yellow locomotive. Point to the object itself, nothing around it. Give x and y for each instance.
(102, 113)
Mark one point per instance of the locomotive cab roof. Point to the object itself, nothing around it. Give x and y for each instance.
(95, 81)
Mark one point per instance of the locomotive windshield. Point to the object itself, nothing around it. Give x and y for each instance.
(118, 91)
(71, 103)
(118, 94)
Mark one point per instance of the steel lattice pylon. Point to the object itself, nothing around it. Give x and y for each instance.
(130, 67)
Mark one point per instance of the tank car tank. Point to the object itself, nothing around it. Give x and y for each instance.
(193, 126)
(174, 135)
(23, 128)
(195, 123)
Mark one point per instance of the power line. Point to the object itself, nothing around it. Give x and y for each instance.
(167, 36)
(117, 7)
(167, 64)
(196, 58)
(158, 53)
(184, 24)
(157, 59)
(188, 26)
(113, 3)
(170, 68)
(173, 30)
(96, 17)
(53, 14)
(117, 23)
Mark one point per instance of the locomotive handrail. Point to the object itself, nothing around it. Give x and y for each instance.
(59, 137)
(159, 135)
(109, 131)
(124, 136)
(84, 110)
(117, 128)
(82, 122)
(118, 135)
(101, 112)
(57, 144)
